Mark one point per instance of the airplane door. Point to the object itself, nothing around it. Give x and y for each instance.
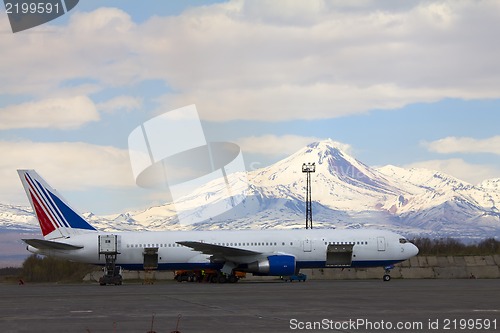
(150, 258)
(307, 245)
(381, 243)
(339, 255)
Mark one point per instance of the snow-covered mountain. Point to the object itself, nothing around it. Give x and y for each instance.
(346, 194)
(445, 204)
(17, 218)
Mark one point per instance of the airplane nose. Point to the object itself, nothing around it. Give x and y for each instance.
(413, 250)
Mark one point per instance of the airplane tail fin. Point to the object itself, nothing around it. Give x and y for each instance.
(56, 217)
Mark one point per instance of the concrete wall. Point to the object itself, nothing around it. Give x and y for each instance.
(422, 267)
(419, 267)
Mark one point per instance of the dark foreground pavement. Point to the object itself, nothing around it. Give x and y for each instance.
(263, 306)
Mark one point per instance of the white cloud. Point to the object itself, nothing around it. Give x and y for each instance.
(93, 47)
(274, 145)
(125, 103)
(61, 113)
(66, 165)
(248, 60)
(450, 145)
(287, 102)
(282, 145)
(472, 173)
(272, 60)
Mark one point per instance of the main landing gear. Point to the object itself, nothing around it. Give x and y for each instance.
(387, 277)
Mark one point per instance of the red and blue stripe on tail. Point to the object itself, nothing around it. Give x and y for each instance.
(56, 217)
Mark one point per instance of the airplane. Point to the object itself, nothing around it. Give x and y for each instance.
(68, 235)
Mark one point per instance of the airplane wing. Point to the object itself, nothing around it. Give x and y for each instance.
(218, 250)
(50, 245)
(246, 260)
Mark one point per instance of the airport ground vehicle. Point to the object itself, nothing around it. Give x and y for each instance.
(298, 277)
(207, 275)
(111, 276)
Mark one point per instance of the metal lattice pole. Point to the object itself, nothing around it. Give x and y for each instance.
(308, 169)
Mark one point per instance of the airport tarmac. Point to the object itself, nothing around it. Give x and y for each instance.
(254, 306)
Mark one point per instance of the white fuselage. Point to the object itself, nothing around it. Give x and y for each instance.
(309, 247)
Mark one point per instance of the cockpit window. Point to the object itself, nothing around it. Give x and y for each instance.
(403, 240)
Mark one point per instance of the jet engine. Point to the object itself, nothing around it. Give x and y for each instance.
(275, 265)
(32, 249)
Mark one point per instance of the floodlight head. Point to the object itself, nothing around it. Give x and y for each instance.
(308, 167)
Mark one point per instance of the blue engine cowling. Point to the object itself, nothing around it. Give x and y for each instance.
(281, 265)
(275, 265)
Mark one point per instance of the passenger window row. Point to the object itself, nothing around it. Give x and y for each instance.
(221, 244)
(347, 243)
(242, 244)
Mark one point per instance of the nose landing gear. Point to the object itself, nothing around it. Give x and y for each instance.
(387, 277)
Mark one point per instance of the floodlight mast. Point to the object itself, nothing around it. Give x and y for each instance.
(308, 169)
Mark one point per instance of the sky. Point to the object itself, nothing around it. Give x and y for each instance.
(412, 84)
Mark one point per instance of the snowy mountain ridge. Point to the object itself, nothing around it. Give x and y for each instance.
(346, 193)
